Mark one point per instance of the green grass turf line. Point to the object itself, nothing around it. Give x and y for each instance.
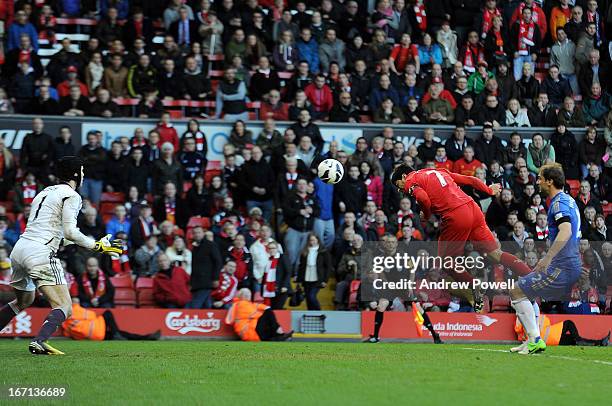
(299, 373)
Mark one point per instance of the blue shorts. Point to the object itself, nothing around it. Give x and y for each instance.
(553, 284)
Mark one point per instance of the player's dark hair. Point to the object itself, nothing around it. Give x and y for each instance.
(399, 172)
(555, 173)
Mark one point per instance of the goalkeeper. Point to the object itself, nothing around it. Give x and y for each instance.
(52, 222)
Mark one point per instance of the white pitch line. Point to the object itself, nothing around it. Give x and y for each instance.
(596, 361)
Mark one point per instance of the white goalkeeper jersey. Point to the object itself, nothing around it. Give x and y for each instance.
(54, 218)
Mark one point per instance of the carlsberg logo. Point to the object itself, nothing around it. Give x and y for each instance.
(184, 324)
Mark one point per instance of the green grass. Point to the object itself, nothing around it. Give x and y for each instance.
(301, 373)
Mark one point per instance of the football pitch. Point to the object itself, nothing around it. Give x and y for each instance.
(307, 373)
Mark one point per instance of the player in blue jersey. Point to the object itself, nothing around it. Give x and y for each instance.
(556, 273)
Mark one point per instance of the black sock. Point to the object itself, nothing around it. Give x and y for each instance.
(6, 315)
(378, 321)
(427, 323)
(50, 325)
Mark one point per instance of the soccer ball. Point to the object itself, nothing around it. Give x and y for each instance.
(331, 171)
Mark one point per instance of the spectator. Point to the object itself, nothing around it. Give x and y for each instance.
(596, 106)
(95, 289)
(477, 80)
(500, 208)
(304, 126)
(103, 106)
(211, 32)
(592, 71)
(90, 224)
(166, 169)
(20, 26)
(192, 161)
(566, 150)
(438, 110)
(555, 86)
(472, 53)
(489, 147)
(559, 16)
(285, 54)
(145, 257)
(44, 104)
(585, 44)
(466, 114)
(194, 132)
(539, 153)
(64, 88)
(142, 227)
(600, 184)
(590, 151)
(22, 86)
(331, 49)
(254, 322)
(525, 40)
(492, 114)
(118, 223)
(527, 87)
(383, 90)
(94, 158)
(138, 171)
(467, 165)
(320, 96)
(224, 294)
(563, 54)
(388, 113)
(569, 114)
(263, 80)
(75, 104)
(171, 85)
(586, 199)
(231, 96)
(179, 255)
(206, 266)
(314, 269)
(185, 28)
(515, 115)
(142, 77)
(404, 53)
(170, 284)
(108, 28)
(351, 193)
(457, 143)
(257, 181)
(24, 53)
(171, 207)
(274, 108)
(150, 107)
(542, 113)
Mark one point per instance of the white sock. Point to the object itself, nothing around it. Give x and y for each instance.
(524, 309)
(536, 310)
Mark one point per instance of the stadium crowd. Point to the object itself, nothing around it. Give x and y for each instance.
(264, 218)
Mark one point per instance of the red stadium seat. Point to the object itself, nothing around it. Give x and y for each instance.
(125, 295)
(574, 186)
(107, 208)
(487, 305)
(113, 197)
(144, 292)
(501, 303)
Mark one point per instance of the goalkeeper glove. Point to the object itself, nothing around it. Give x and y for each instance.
(105, 246)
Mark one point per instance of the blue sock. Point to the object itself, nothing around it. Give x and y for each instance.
(51, 323)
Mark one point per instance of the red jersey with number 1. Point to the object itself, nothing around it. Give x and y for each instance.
(442, 190)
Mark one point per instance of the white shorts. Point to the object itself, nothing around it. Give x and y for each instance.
(35, 265)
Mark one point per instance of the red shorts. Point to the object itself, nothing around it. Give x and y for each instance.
(462, 224)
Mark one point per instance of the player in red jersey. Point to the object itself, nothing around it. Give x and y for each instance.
(437, 191)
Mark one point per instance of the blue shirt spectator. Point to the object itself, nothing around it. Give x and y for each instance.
(308, 50)
(21, 26)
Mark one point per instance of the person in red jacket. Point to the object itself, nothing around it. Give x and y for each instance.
(228, 284)
(170, 284)
(320, 96)
(537, 15)
(63, 89)
(468, 164)
(167, 133)
(373, 183)
(274, 108)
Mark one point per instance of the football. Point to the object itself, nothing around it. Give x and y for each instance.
(330, 171)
